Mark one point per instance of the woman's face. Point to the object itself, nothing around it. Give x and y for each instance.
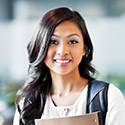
(66, 49)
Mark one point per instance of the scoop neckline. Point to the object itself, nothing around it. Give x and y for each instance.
(69, 106)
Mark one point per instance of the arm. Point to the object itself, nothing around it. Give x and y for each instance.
(116, 107)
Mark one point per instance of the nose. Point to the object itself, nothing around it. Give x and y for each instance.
(62, 50)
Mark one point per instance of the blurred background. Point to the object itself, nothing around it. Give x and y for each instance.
(105, 20)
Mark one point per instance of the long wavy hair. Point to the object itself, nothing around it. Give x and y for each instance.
(32, 96)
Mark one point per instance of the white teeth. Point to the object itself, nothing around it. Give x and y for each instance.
(62, 61)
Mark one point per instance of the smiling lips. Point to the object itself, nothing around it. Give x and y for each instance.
(62, 62)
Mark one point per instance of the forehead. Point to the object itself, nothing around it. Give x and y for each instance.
(67, 26)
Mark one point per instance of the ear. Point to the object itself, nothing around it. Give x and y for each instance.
(84, 51)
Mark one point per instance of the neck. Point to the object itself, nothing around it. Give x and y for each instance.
(65, 84)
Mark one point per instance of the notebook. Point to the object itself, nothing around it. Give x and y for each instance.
(88, 119)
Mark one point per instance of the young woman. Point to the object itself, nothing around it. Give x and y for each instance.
(60, 71)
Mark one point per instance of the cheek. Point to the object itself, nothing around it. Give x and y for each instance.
(49, 56)
(78, 56)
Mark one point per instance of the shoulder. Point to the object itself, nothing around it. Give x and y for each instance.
(116, 106)
(115, 94)
(96, 86)
(116, 100)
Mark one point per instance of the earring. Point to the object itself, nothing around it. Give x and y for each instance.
(87, 53)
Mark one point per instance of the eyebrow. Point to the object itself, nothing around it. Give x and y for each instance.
(75, 34)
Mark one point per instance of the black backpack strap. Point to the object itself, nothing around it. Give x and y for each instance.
(97, 100)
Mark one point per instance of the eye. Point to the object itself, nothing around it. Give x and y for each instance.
(73, 42)
(53, 42)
